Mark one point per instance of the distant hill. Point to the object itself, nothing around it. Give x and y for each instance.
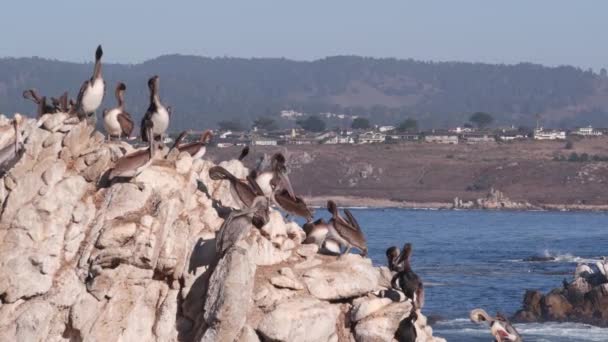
(203, 91)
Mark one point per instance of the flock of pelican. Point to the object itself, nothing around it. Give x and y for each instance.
(265, 184)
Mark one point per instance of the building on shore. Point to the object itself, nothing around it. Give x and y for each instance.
(510, 135)
(478, 138)
(371, 137)
(543, 134)
(586, 132)
(441, 137)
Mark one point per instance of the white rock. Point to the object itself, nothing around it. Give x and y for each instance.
(348, 277)
(368, 307)
(183, 164)
(308, 250)
(300, 320)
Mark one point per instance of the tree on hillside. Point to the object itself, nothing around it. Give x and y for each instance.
(312, 123)
(481, 119)
(360, 123)
(230, 125)
(408, 125)
(265, 122)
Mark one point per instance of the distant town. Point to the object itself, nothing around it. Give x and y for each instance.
(310, 130)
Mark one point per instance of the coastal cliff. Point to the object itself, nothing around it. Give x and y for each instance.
(84, 259)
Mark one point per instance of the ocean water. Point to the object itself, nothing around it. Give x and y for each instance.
(473, 259)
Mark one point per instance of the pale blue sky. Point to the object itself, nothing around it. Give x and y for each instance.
(550, 32)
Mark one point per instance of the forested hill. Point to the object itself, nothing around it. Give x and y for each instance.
(203, 91)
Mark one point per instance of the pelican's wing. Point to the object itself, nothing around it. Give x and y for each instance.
(351, 219)
(126, 123)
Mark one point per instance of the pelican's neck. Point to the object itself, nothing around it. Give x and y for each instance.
(120, 98)
(96, 70)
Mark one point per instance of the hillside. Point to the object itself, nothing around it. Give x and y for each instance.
(430, 174)
(203, 91)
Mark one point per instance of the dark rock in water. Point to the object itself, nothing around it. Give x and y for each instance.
(539, 258)
(584, 299)
(432, 319)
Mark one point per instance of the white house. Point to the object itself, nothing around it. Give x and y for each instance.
(541, 134)
(264, 141)
(587, 132)
(441, 138)
(386, 128)
(371, 138)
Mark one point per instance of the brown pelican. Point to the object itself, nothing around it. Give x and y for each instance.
(316, 232)
(11, 153)
(392, 253)
(92, 90)
(407, 280)
(291, 205)
(406, 332)
(500, 327)
(117, 121)
(42, 107)
(198, 148)
(134, 163)
(346, 233)
(243, 192)
(60, 105)
(238, 222)
(276, 174)
(157, 113)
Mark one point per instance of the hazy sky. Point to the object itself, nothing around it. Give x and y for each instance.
(550, 32)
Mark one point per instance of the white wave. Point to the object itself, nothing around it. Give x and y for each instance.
(545, 332)
(570, 331)
(569, 257)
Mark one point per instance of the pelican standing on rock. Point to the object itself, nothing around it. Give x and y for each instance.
(134, 163)
(291, 205)
(276, 174)
(11, 153)
(41, 106)
(243, 192)
(92, 91)
(157, 113)
(500, 327)
(117, 121)
(198, 148)
(346, 233)
(407, 280)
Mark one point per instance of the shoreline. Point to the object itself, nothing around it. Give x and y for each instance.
(376, 203)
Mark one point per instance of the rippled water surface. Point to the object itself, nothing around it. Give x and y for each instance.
(472, 259)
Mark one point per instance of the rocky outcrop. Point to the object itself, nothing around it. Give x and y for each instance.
(584, 299)
(85, 259)
(494, 200)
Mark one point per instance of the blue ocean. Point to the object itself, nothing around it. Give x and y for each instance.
(471, 259)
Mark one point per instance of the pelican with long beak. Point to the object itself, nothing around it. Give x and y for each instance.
(198, 148)
(12, 153)
(157, 113)
(92, 90)
(500, 327)
(243, 192)
(291, 205)
(277, 175)
(239, 221)
(134, 163)
(117, 121)
(406, 332)
(41, 106)
(406, 279)
(346, 232)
